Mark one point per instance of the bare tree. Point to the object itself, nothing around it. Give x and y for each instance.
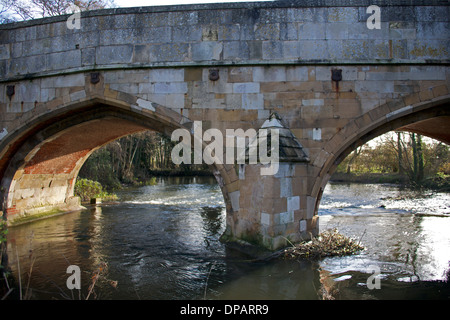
(16, 10)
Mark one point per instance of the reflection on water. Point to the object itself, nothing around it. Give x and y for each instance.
(162, 242)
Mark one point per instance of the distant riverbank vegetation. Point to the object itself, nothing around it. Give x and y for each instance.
(135, 160)
(406, 159)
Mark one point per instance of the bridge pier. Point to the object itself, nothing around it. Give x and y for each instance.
(273, 210)
(272, 205)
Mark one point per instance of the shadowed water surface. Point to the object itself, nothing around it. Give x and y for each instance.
(162, 242)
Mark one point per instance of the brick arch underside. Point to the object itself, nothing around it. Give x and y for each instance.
(431, 119)
(42, 172)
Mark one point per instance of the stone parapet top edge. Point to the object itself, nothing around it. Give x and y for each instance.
(229, 5)
(219, 64)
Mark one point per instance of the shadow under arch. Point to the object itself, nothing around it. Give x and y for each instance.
(431, 119)
(41, 159)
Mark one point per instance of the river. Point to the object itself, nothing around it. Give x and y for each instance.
(161, 241)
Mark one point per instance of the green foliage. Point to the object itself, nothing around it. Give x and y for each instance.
(3, 231)
(135, 159)
(87, 189)
(418, 159)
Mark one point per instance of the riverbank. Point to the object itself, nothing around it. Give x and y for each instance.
(439, 183)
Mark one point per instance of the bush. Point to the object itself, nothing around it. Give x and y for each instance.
(87, 189)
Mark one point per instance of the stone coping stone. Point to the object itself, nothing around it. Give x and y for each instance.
(227, 6)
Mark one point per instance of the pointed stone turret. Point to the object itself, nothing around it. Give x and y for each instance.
(290, 149)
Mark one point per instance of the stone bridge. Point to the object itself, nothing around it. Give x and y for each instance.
(334, 81)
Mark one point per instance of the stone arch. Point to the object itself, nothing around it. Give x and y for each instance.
(42, 156)
(430, 118)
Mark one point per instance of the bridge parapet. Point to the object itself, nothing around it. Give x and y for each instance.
(280, 32)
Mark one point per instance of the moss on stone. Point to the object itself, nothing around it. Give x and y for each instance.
(29, 217)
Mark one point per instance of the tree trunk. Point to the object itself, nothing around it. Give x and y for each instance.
(400, 154)
(420, 174)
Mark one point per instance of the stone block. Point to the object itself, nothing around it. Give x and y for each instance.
(236, 50)
(64, 60)
(285, 170)
(272, 50)
(88, 57)
(313, 102)
(240, 74)
(285, 187)
(246, 87)
(426, 94)
(343, 14)
(182, 34)
(337, 31)
(114, 54)
(252, 101)
(288, 31)
(234, 198)
(302, 14)
(293, 203)
(297, 74)
(132, 88)
(78, 95)
(266, 219)
(310, 206)
(169, 52)
(285, 217)
(150, 35)
(414, 75)
(229, 32)
(185, 19)
(302, 226)
(166, 75)
(431, 13)
(144, 104)
(4, 52)
(170, 87)
(291, 50)
(269, 74)
(374, 86)
(96, 200)
(440, 91)
(207, 51)
(28, 91)
(311, 31)
(193, 74)
(317, 134)
(267, 31)
(411, 99)
(314, 50)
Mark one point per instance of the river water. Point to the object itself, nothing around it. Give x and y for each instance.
(161, 241)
